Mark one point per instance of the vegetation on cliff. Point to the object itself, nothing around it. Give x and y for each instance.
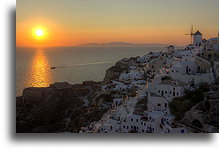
(180, 105)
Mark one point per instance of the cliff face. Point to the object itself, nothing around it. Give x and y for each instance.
(198, 109)
(57, 108)
(203, 117)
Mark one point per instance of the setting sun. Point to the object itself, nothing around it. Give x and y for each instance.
(39, 32)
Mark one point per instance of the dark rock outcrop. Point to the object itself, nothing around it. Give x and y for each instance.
(204, 116)
(57, 108)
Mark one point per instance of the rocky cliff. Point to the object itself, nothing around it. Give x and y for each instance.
(57, 108)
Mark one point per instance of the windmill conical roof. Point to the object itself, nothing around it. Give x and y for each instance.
(198, 33)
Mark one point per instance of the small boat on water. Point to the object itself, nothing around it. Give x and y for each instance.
(53, 67)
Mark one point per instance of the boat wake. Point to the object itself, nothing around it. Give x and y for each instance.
(83, 64)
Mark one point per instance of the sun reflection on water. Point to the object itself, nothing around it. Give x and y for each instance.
(40, 72)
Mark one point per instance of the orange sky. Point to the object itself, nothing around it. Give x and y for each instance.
(70, 23)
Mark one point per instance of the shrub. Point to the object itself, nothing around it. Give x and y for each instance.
(179, 106)
(166, 78)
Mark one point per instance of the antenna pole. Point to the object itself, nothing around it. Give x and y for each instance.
(192, 34)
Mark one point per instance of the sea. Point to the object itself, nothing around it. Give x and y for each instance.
(73, 64)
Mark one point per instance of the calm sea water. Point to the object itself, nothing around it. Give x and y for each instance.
(74, 64)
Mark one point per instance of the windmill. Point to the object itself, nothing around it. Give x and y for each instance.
(191, 33)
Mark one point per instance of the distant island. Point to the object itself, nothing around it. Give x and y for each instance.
(122, 44)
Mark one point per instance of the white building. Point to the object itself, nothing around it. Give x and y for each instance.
(130, 76)
(170, 49)
(171, 129)
(184, 67)
(110, 126)
(213, 43)
(120, 113)
(117, 101)
(156, 64)
(151, 84)
(143, 59)
(170, 89)
(131, 123)
(154, 121)
(188, 71)
(163, 86)
(157, 103)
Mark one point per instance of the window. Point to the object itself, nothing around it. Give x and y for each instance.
(123, 126)
(173, 93)
(127, 127)
(165, 105)
(182, 131)
(177, 93)
(173, 88)
(158, 104)
(170, 92)
(165, 92)
(136, 120)
(131, 119)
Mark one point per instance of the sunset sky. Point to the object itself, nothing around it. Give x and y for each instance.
(73, 22)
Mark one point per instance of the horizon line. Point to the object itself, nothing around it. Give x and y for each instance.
(104, 44)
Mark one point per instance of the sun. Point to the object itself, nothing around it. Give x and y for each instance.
(39, 32)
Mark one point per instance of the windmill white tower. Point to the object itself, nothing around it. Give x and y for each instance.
(197, 39)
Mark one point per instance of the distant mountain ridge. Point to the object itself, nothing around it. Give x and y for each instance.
(122, 44)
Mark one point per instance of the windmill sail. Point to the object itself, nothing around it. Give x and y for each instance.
(191, 34)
